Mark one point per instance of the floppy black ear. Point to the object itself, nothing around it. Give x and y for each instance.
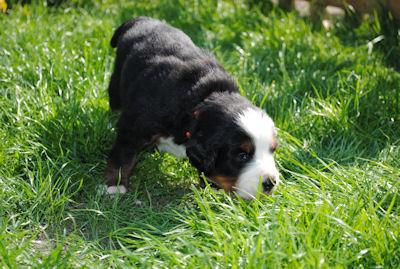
(201, 157)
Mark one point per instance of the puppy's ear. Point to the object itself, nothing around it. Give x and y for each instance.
(201, 157)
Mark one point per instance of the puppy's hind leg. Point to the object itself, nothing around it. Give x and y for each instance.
(122, 158)
(114, 88)
(113, 91)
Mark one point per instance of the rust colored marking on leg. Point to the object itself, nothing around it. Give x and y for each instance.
(118, 175)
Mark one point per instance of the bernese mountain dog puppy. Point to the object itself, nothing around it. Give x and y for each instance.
(176, 96)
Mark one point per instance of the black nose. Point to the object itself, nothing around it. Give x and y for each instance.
(268, 183)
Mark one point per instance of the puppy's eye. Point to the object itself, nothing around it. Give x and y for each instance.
(243, 157)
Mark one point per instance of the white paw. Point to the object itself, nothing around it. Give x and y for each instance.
(138, 202)
(116, 189)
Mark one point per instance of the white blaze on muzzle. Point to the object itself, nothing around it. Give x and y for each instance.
(261, 129)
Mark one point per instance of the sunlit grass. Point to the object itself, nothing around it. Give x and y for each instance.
(336, 104)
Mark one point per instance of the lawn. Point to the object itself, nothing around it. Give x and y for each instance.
(331, 93)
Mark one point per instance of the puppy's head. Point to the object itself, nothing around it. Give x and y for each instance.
(233, 145)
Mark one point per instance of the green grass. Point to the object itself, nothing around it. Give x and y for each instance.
(336, 104)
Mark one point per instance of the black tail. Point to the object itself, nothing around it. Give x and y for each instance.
(122, 30)
(113, 88)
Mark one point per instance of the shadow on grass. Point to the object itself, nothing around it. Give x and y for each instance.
(380, 33)
(380, 30)
(77, 139)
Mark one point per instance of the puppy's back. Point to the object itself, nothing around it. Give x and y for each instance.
(147, 37)
(122, 30)
(157, 64)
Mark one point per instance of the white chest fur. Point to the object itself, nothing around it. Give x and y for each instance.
(167, 144)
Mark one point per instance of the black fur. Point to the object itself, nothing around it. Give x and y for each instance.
(164, 85)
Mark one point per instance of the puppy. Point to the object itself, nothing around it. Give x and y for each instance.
(176, 96)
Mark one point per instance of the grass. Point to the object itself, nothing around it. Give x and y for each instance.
(335, 101)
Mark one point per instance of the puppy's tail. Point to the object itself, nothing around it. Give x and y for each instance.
(122, 30)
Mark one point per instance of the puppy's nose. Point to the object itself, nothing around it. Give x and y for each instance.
(268, 183)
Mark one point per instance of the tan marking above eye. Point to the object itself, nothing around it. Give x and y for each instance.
(246, 146)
